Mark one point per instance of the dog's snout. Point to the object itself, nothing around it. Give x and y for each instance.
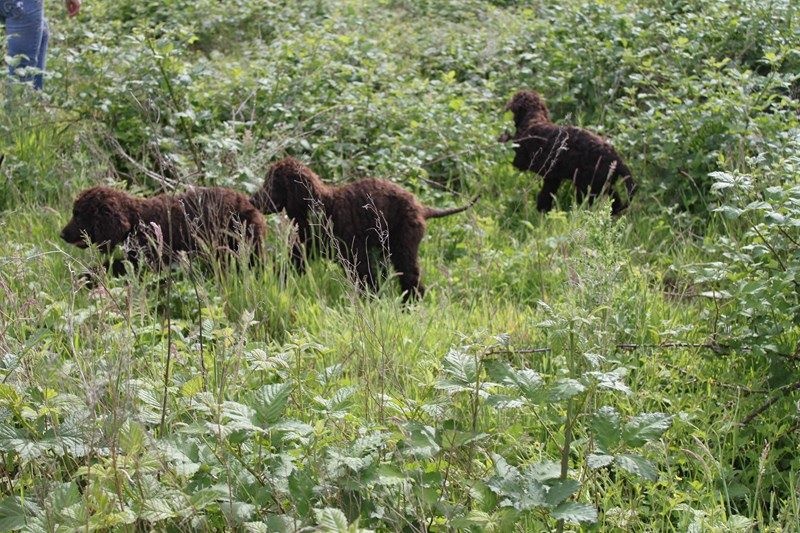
(69, 233)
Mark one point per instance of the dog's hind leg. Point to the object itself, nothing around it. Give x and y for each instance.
(404, 248)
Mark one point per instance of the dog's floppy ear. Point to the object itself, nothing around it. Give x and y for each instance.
(111, 225)
(513, 103)
(271, 198)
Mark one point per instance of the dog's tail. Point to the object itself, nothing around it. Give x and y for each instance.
(438, 213)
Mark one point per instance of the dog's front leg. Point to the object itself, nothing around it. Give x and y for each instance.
(117, 266)
(544, 202)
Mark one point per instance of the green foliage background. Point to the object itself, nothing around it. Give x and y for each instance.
(564, 371)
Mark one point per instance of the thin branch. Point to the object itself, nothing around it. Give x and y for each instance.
(691, 378)
(713, 346)
(169, 353)
(187, 131)
(168, 184)
(783, 391)
(496, 351)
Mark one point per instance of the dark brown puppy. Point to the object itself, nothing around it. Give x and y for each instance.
(365, 217)
(564, 153)
(202, 220)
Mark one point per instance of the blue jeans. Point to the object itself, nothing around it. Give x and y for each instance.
(28, 35)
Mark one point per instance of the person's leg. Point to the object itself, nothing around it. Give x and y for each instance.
(25, 27)
(41, 59)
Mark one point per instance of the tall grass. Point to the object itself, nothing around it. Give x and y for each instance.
(622, 351)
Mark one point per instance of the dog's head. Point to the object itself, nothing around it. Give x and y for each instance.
(528, 106)
(100, 215)
(289, 185)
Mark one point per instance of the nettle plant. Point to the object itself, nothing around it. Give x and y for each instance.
(533, 435)
(581, 440)
(757, 282)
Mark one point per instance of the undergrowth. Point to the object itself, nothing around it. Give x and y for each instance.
(564, 371)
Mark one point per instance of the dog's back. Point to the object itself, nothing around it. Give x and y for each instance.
(567, 153)
(360, 203)
(215, 217)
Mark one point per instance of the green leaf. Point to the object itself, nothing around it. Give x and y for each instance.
(595, 461)
(270, 401)
(263, 527)
(182, 464)
(561, 490)
(478, 520)
(9, 395)
(530, 384)
(504, 401)
(10, 438)
(502, 468)
(460, 373)
(389, 475)
(544, 470)
(611, 380)
(645, 428)
(564, 389)
(740, 523)
(520, 491)
(156, 509)
(507, 481)
(200, 499)
(69, 438)
(729, 211)
(237, 512)
(330, 373)
(301, 487)
(606, 427)
(238, 417)
(339, 404)
(354, 464)
(526, 381)
(532, 496)
(331, 520)
(15, 440)
(637, 465)
(575, 512)
(273, 524)
(192, 387)
(13, 515)
(66, 495)
(421, 440)
(499, 371)
(483, 496)
(132, 438)
(292, 430)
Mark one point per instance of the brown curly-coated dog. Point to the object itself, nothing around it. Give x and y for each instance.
(365, 217)
(564, 153)
(211, 221)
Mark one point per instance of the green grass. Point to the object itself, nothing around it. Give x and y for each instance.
(262, 400)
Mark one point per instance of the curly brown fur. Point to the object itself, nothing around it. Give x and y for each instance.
(564, 153)
(365, 217)
(200, 220)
